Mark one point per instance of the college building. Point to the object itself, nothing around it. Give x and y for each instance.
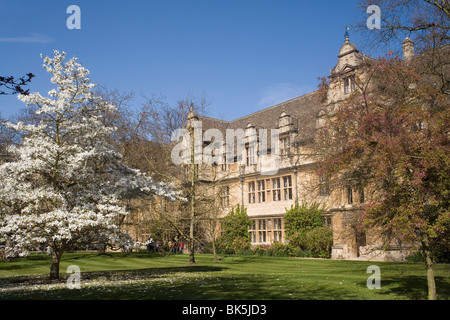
(267, 189)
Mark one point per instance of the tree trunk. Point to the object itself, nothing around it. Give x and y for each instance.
(54, 269)
(430, 279)
(191, 233)
(429, 265)
(214, 250)
(101, 249)
(192, 204)
(191, 229)
(191, 252)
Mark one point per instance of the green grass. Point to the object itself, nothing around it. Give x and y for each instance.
(144, 276)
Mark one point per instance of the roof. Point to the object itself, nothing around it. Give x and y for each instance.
(268, 117)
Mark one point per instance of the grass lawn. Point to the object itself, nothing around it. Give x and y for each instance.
(156, 277)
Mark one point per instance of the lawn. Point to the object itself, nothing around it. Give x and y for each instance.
(140, 276)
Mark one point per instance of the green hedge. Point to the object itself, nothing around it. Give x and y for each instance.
(276, 250)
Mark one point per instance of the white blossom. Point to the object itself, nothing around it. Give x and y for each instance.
(67, 182)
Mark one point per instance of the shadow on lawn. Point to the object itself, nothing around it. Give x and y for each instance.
(246, 287)
(111, 275)
(221, 287)
(414, 287)
(139, 274)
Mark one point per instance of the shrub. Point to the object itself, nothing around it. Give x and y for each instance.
(298, 241)
(235, 237)
(302, 218)
(234, 246)
(280, 250)
(275, 249)
(319, 241)
(261, 250)
(306, 232)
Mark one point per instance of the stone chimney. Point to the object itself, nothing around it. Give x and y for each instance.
(408, 49)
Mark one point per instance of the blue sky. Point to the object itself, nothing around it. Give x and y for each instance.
(244, 55)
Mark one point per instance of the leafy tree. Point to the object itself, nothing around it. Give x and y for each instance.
(392, 136)
(66, 184)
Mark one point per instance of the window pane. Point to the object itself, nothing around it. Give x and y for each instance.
(349, 195)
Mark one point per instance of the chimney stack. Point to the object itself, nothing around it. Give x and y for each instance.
(408, 49)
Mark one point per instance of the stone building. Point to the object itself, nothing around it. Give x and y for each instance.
(267, 187)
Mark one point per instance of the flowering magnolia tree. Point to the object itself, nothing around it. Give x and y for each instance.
(67, 181)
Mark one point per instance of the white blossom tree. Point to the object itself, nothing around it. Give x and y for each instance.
(67, 181)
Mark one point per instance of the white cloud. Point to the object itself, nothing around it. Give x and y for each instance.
(280, 92)
(32, 38)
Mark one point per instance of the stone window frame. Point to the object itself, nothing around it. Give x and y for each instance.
(287, 187)
(276, 189)
(251, 155)
(264, 230)
(224, 196)
(324, 186)
(285, 147)
(251, 192)
(349, 84)
(261, 184)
